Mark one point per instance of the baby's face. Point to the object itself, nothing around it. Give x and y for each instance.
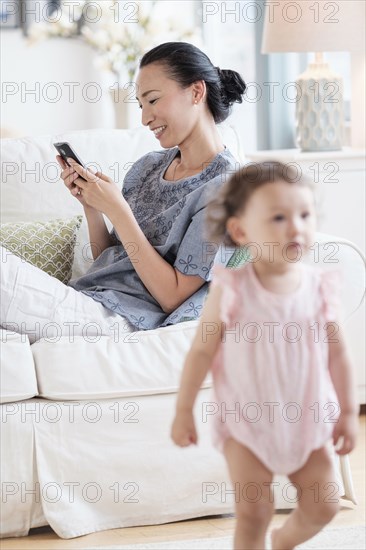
(278, 222)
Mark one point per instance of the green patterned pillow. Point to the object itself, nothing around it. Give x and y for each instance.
(47, 245)
(240, 257)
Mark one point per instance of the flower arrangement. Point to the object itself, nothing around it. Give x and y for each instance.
(64, 23)
(119, 31)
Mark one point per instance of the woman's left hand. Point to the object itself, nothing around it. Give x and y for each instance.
(98, 191)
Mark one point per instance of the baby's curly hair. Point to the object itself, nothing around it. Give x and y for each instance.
(236, 191)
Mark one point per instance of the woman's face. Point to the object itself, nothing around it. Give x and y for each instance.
(167, 109)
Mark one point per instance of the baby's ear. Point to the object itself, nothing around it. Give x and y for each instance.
(234, 227)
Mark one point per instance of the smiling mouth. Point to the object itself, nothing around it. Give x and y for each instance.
(159, 131)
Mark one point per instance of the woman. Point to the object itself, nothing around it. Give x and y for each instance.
(152, 269)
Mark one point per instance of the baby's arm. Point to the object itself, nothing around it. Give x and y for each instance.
(197, 364)
(342, 376)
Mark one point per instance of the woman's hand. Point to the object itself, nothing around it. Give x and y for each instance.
(183, 429)
(345, 432)
(98, 191)
(70, 179)
(95, 190)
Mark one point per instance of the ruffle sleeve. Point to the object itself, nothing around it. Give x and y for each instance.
(226, 279)
(330, 290)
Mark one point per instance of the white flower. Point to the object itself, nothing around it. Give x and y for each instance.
(111, 31)
(38, 32)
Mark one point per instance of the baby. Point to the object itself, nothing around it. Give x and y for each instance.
(277, 354)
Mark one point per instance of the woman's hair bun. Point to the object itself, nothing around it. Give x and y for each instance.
(233, 86)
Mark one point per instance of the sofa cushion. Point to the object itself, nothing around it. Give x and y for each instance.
(47, 245)
(139, 363)
(17, 373)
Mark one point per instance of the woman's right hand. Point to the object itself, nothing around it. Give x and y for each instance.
(70, 177)
(183, 429)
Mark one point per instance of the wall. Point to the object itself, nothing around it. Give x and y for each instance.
(48, 68)
(230, 44)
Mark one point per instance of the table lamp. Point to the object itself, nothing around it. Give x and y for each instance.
(318, 27)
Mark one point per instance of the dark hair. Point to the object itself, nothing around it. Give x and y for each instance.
(186, 64)
(236, 191)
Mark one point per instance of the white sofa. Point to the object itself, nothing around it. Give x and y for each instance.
(85, 425)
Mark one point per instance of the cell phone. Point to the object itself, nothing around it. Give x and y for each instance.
(65, 150)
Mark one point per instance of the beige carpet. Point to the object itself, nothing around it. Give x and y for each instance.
(350, 538)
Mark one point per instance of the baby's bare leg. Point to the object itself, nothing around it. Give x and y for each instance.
(254, 506)
(318, 502)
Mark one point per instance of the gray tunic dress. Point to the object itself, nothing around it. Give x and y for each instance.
(171, 215)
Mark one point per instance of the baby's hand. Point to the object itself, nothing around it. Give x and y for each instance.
(183, 429)
(346, 428)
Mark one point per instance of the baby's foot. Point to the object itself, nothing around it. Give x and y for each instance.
(276, 540)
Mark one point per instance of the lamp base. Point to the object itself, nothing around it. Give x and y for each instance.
(319, 110)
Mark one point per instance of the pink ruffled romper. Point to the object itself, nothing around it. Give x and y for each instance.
(272, 388)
